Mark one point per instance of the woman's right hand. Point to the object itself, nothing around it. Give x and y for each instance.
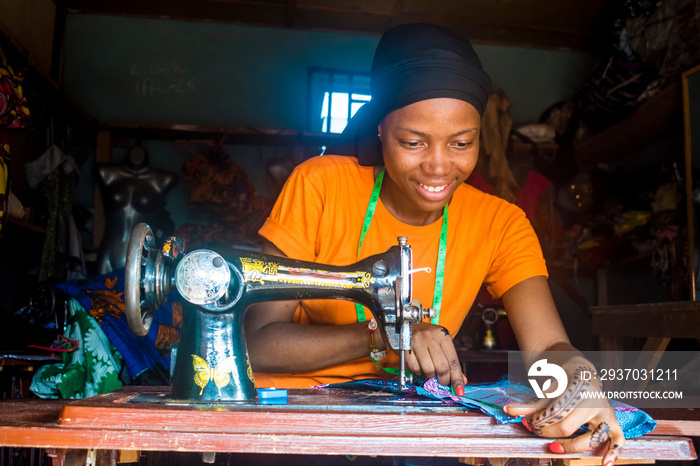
(433, 354)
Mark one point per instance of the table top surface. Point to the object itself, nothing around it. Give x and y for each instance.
(313, 421)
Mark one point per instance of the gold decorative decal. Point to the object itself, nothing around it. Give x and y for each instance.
(203, 373)
(367, 280)
(255, 270)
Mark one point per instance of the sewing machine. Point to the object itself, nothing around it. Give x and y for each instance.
(211, 362)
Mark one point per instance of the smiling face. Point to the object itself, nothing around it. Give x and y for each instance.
(430, 148)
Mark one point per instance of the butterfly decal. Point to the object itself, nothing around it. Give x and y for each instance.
(203, 373)
(250, 370)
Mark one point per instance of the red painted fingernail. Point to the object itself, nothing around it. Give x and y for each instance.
(527, 426)
(556, 447)
(609, 463)
(459, 390)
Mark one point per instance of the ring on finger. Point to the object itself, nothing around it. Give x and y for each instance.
(616, 451)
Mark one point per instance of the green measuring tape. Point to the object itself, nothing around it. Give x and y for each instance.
(442, 251)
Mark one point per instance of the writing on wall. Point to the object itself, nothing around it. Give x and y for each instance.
(159, 79)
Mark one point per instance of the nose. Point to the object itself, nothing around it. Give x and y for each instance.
(438, 161)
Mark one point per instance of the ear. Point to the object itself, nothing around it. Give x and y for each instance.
(379, 131)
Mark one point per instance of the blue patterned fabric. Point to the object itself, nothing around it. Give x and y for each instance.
(103, 297)
(491, 397)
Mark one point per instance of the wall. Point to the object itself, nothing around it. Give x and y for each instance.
(136, 70)
(139, 71)
(31, 23)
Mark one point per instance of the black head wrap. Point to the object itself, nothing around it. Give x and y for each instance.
(413, 62)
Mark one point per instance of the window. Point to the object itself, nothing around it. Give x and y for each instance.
(335, 97)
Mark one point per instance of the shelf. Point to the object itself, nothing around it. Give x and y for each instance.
(651, 120)
(234, 135)
(44, 87)
(26, 224)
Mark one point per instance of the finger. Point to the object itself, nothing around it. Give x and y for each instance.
(458, 386)
(443, 358)
(454, 366)
(560, 419)
(617, 442)
(526, 408)
(595, 439)
(412, 363)
(426, 366)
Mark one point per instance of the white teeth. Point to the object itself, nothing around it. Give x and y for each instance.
(433, 189)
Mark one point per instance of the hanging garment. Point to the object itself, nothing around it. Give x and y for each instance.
(57, 175)
(495, 131)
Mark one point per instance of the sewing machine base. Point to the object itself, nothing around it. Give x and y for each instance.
(325, 399)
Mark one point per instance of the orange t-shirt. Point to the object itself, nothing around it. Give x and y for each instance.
(318, 217)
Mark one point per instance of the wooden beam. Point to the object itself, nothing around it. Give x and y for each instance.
(233, 135)
(539, 24)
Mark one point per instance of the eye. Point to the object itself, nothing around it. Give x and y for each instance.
(411, 144)
(462, 144)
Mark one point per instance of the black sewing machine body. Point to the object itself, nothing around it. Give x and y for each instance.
(211, 363)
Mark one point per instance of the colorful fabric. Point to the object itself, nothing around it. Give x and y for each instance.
(490, 398)
(14, 112)
(103, 298)
(91, 368)
(319, 216)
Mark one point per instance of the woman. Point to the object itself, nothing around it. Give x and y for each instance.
(414, 144)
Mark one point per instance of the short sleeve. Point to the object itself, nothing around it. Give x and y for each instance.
(294, 221)
(518, 254)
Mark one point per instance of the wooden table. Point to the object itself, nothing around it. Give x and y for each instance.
(657, 322)
(17, 370)
(314, 421)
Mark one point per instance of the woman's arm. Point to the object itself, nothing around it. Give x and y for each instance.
(278, 345)
(537, 326)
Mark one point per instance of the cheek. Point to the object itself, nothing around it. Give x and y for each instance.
(468, 163)
(395, 157)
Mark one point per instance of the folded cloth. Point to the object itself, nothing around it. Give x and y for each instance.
(491, 397)
(103, 298)
(90, 364)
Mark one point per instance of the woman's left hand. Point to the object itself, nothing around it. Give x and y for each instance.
(563, 416)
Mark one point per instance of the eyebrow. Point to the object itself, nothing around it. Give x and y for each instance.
(420, 133)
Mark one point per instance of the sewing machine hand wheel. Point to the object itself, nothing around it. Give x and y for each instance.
(144, 285)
